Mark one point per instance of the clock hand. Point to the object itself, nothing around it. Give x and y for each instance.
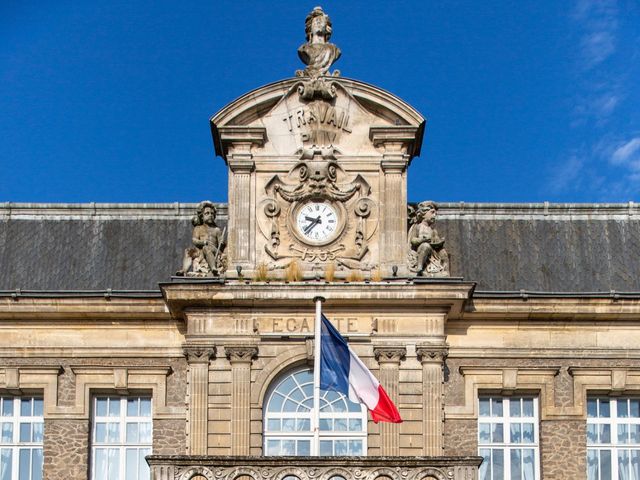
(315, 221)
(311, 219)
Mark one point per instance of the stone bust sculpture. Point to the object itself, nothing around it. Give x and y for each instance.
(318, 54)
(429, 256)
(205, 258)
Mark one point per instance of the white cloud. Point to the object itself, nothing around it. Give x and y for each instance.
(627, 153)
(598, 22)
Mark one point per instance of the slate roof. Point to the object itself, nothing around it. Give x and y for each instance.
(502, 247)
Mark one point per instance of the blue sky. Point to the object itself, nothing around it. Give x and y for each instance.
(526, 101)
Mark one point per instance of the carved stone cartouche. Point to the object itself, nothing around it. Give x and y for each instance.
(206, 258)
(427, 255)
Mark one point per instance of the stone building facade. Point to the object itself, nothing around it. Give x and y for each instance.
(504, 332)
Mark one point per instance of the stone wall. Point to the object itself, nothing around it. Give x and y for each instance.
(66, 452)
(563, 449)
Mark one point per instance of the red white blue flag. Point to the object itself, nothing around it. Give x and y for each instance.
(342, 371)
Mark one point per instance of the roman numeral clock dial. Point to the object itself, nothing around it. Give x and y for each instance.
(317, 222)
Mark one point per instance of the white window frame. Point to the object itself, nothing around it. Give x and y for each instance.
(613, 421)
(361, 415)
(120, 445)
(507, 446)
(16, 446)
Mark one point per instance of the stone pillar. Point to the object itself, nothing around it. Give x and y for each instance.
(236, 143)
(198, 357)
(398, 144)
(389, 359)
(240, 357)
(432, 358)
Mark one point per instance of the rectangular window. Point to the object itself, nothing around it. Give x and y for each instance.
(121, 438)
(508, 438)
(21, 437)
(613, 438)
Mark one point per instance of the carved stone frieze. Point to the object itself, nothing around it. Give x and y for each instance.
(390, 354)
(427, 255)
(199, 353)
(308, 468)
(240, 353)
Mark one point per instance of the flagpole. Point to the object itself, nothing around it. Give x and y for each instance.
(315, 450)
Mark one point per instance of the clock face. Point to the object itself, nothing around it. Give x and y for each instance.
(317, 222)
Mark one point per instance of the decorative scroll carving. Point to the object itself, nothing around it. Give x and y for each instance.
(206, 258)
(318, 54)
(389, 354)
(241, 353)
(432, 353)
(427, 255)
(199, 353)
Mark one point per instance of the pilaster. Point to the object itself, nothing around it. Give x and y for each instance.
(240, 357)
(432, 358)
(198, 357)
(389, 358)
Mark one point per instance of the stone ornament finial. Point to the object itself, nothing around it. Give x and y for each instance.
(427, 255)
(317, 53)
(206, 258)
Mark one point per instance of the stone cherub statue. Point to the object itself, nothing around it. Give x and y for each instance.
(427, 256)
(317, 53)
(206, 257)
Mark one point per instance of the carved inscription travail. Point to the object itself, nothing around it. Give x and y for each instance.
(318, 123)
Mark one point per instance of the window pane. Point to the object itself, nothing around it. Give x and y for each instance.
(354, 407)
(290, 406)
(7, 432)
(485, 468)
(340, 425)
(101, 408)
(605, 433)
(24, 463)
(326, 447)
(496, 407)
(484, 430)
(143, 467)
(113, 460)
(38, 432)
(592, 434)
(497, 433)
(133, 405)
(623, 464)
(303, 425)
(355, 447)
(326, 424)
(132, 433)
(516, 464)
(514, 407)
(114, 407)
(145, 408)
(516, 433)
(288, 424)
(36, 464)
(605, 464)
(497, 463)
(634, 408)
(131, 464)
(273, 425)
(113, 433)
(275, 403)
(623, 408)
(101, 432)
(605, 411)
(145, 432)
(100, 467)
(635, 434)
(7, 407)
(37, 407)
(25, 432)
(527, 433)
(273, 447)
(355, 425)
(5, 464)
(288, 447)
(592, 465)
(340, 447)
(25, 407)
(484, 407)
(304, 448)
(527, 407)
(287, 386)
(635, 464)
(623, 433)
(592, 408)
(528, 464)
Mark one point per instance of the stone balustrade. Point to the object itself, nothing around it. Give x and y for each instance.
(200, 467)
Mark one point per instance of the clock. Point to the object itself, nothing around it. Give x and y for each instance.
(317, 222)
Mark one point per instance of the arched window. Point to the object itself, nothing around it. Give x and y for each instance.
(287, 419)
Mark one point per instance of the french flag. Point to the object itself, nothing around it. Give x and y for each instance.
(342, 371)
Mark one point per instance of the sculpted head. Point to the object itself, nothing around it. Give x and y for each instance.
(206, 213)
(427, 211)
(318, 24)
